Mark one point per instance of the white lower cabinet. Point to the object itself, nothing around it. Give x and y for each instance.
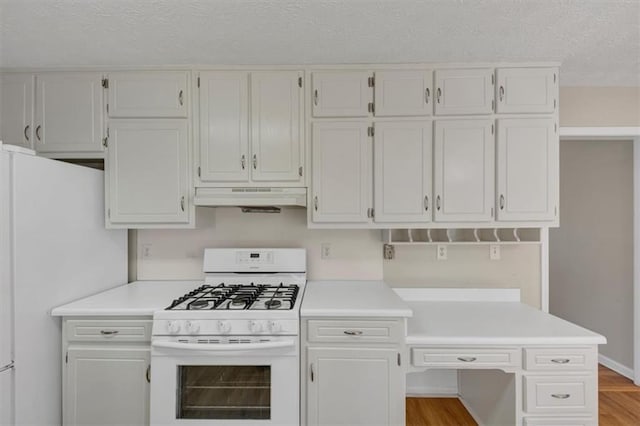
(147, 173)
(107, 386)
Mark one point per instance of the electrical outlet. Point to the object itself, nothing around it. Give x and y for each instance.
(325, 251)
(494, 252)
(441, 252)
(146, 251)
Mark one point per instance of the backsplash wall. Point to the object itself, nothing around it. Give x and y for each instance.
(355, 254)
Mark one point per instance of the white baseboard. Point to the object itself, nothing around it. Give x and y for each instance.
(432, 383)
(616, 366)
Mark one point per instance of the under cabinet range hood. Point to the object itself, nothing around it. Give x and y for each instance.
(251, 197)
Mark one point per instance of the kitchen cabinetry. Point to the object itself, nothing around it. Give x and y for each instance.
(147, 173)
(68, 113)
(527, 169)
(106, 369)
(464, 170)
(464, 91)
(403, 173)
(341, 153)
(271, 153)
(147, 94)
(527, 90)
(16, 115)
(341, 93)
(403, 93)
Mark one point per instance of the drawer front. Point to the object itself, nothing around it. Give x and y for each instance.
(552, 359)
(560, 421)
(465, 358)
(561, 394)
(355, 331)
(109, 330)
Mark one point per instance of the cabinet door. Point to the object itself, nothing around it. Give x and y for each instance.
(276, 133)
(16, 115)
(402, 171)
(159, 94)
(341, 186)
(527, 171)
(69, 112)
(341, 94)
(464, 91)
(147, 171)
(402, 93)
(354, 386)
(464, 170)
(107, 386)
(524, 90)
(224, 126)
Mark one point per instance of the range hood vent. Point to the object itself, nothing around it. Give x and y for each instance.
(250, 197)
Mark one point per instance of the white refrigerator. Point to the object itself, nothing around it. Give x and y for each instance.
(54, 248)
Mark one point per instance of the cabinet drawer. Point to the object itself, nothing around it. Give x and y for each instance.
(564, 359)
(355, 331)
(560, 394)
(109, 330)
(560, 421)
(465, 358)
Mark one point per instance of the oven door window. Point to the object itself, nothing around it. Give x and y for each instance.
(224, 392)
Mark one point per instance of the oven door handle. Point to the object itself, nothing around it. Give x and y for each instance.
(224, 346)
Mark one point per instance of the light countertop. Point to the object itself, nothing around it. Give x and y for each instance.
(138, 298)
(491, 323)
(352, 299)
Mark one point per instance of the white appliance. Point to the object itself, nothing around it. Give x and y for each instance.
(53, 249)
(228, 352)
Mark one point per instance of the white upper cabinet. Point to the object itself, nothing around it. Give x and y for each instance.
(403, 93)
(527, 90)
(527, 170)
(464, 91)
(147, 173)
(341, 93)
(16, 115)
(69, 112)
(341, 187)
(402, 171)
(464, 170)
(276, 131)
(144, 94)
(224, 126)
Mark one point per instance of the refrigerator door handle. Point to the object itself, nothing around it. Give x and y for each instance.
(6, 367)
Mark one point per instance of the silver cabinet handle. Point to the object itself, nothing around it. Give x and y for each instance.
(560, 360)
(109, 332)
(501, 93)
(148, 374)
(501, 202)
(26, 132)
(438, 203)
(427, 93)
(315, 203)
(315, 97)
(7, 367)
(181, 97)
(38, 132)
(243, 159)
(182, 203)
(353, 332)
(561, 395)
(467, 358)
(438, 95)
(311, 370)
(426, 203)
(255, 162)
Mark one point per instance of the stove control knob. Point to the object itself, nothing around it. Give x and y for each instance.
(173, 327)
(192, 327)
(224, 327)
(275, 326)
(255, 326)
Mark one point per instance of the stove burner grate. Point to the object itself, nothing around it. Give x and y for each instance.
(238, 297)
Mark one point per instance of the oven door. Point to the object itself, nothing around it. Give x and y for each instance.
(254, 383)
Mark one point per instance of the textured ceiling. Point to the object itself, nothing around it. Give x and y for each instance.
(598, 42)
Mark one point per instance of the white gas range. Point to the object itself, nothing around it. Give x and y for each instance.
(228, 352)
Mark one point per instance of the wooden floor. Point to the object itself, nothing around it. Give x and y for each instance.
(619, 405)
